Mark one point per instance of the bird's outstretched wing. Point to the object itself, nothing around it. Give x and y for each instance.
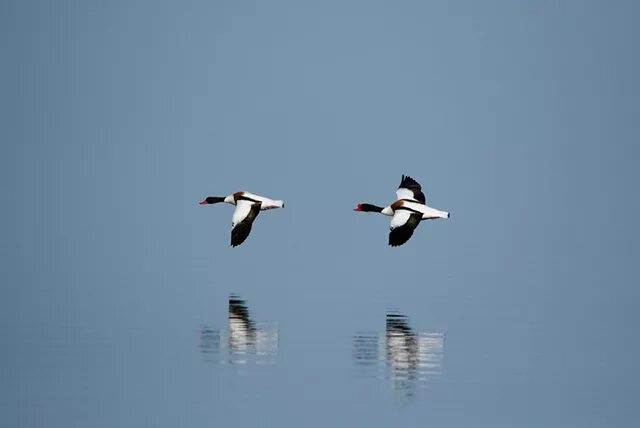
(403, 224)
(243, 217)
(410, 189)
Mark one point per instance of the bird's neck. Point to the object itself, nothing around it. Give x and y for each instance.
(370, 208)
(214, 199)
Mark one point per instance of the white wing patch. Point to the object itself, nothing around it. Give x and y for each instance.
(403, 193)
(400, 218)
(241, 212)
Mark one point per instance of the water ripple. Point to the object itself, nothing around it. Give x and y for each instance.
(243, 342)
(407, 358)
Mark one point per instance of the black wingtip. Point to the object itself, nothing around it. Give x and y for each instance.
(240, 233)
(409, 183)
(396, 241)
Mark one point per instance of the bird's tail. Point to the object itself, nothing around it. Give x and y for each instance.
(434, 213)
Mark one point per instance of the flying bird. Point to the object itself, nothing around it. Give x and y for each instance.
(407, 211)
(248, 206)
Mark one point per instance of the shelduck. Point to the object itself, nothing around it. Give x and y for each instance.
(248, 206)
(407, 211)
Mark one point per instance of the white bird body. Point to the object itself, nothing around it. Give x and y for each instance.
(265, 203)
(409, 206)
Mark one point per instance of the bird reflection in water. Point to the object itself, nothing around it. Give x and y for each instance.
(408, 358)
(244, 342)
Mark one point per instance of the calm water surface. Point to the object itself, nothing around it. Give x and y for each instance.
(261, 362)
(122, 305)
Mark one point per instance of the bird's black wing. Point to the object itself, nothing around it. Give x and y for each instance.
(412, 185)
(400, 235)
(242, 230)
